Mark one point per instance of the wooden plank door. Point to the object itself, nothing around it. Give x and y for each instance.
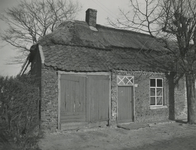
(72, 99)
(125, 104)
(98, 98)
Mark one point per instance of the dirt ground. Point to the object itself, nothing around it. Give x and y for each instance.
(162, 136)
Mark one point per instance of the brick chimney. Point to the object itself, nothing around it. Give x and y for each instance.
(91, 17)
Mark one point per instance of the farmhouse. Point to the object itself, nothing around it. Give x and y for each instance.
(91, 75)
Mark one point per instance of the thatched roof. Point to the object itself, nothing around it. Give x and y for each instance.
(78, 33)
(73, 46)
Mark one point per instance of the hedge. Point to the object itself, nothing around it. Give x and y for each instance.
(19, 113)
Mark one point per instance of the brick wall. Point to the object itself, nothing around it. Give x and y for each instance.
(48, 84)
(114, 98)
(36, 67)
(180, 100)
(143, 112)
(49, 101)
(142, 102)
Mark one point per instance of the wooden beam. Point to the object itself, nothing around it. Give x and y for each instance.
(23, 66)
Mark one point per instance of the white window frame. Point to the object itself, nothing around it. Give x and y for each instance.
(121, 78)
(156, 96)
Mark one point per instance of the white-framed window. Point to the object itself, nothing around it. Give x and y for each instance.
(156, 92)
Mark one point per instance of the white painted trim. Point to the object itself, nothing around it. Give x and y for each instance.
(155, 87)
(157, 107)
(118, 77)
(59, 102)
(41, 54)
(85, 73)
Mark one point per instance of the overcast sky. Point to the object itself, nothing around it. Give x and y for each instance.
(105, 8)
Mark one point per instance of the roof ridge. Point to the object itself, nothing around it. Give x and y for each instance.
(107, 27)
(123, 30)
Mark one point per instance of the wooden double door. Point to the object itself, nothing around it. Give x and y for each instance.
(84, 98)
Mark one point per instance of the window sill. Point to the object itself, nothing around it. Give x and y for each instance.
(157, 107)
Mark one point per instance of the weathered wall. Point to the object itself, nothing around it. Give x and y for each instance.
(36, 66)
(142, 102)
(114, 98)
(49, 101)
(143, 112)
(181, 100)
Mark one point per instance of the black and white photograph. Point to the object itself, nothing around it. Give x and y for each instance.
(97, 75)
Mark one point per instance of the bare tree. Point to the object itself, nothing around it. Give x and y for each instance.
(174, 22)
(29, 21)
(143, 17)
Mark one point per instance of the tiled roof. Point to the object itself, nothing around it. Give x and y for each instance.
(73, 58)
(75, 47)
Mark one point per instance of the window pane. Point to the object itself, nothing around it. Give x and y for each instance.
(152, 101)
(152, 91)
(159, 83)
(159, 92)
(152, 82)
(159, 101)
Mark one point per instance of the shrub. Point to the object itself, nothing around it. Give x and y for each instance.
(19, 113)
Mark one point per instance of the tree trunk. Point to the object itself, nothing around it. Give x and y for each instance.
(170, 78)
(191, 98)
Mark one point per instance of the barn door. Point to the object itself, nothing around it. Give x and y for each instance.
(72, 107)
(98, 98)
(125, 104)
